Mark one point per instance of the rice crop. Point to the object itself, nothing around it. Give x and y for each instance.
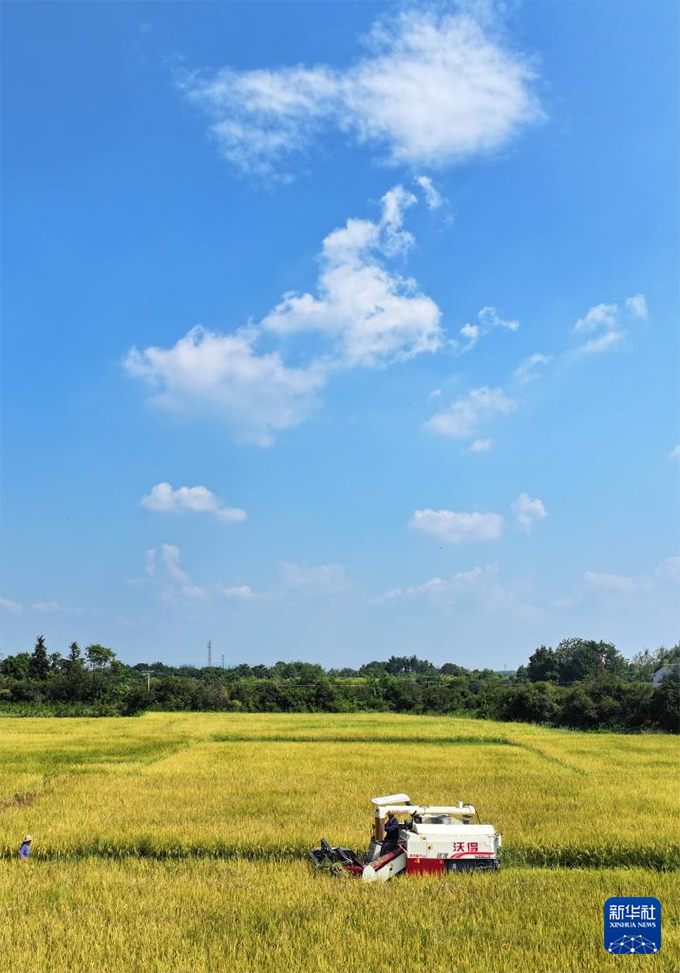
(178, 842)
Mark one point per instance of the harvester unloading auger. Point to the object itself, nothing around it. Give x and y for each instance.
(430, 839)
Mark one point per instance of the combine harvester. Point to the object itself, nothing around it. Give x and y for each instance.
(431, 839)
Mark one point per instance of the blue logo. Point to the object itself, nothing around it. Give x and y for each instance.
(632, 924)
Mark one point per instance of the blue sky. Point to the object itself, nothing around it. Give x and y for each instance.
(336, 330)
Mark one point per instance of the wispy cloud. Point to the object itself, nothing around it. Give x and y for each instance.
(242, 592)
(164, 571)
(49, 607)
(487, 319)
(599, 316)
(468, 412)
(608, 320)
(454, 527)
(11, 606)
(433, 198)
(315, 579)
(669, 569)
(480, 446)
(596, 346)
(480, 589)
(198, 499)
(637, 306)
(528, 370)
(527, 511)
(610, 582)
(433, 88)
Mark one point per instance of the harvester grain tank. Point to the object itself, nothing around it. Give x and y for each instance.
(432, 839)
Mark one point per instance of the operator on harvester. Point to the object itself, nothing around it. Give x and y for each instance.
(391, 840)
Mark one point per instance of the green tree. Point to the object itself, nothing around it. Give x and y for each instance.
(98, 657)
(39, 665)
(408, 665)
(543, 666)
(579, 659)
(451, 669)
(529, 702)
(666, 706)
(574, 660)
(16, 666)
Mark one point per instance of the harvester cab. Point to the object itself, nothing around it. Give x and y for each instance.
(432, 838)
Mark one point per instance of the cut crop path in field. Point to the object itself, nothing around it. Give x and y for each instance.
(395, 740)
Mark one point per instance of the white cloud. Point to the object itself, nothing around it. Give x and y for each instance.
(433, 88)
(40, 607)
(480, 446)
(49, 607)
(241, 592)
(606, 318)
(675, 452)
(223, 376)
(453, 527)
(462, 581)
(527, 370)
(627, 590)
(467, 412)
(471, 332)
(488, 318)
(163, 499)
(433, 198)
(596, 346)
(637, 306)
(163, 571)
(599, 316)
(527, 510)
(610, 582)
(320, 579)
(373, 316)
(669, 569)
(369, 317)
(11, 606)
(480, 590)
(569, 601)
(170, 557)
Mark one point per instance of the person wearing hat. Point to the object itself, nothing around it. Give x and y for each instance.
(391, 840)
(25, 850)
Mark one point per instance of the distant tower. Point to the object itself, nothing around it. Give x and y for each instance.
(223, 662)
(209, 653)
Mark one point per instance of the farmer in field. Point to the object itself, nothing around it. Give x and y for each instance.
(391, 833)
(25, 850)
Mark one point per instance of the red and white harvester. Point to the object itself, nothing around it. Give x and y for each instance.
(438, 839)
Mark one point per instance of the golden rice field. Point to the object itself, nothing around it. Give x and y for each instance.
(176, 842)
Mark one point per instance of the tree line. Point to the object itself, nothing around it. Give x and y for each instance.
(581, 683)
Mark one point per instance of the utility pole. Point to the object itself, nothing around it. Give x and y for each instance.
(209, 654)
(148, 681)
